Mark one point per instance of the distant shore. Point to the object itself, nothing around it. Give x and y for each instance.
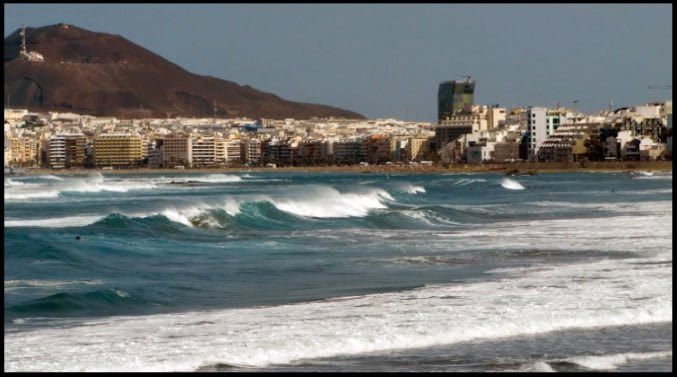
(518, 168)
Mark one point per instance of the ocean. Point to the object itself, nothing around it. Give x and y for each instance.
(265, 271)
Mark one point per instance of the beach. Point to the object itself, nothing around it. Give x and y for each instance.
(516, 168)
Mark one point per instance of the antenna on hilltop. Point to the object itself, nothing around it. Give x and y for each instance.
(23, 39)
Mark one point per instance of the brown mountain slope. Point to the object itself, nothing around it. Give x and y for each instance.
(103, 74)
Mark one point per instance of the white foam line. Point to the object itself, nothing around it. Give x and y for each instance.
(610, 362)
(57, 222)
(11, 285)
(529, 302)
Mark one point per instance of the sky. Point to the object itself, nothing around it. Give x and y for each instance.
(387, 60)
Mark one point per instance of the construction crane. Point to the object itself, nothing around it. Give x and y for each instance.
(660, 86)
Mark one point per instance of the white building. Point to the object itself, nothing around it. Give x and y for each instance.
(477, 153)
(495, 117)
(14, 115)
(231, 150)
(204, 153)
(537, 128)
(57, 152)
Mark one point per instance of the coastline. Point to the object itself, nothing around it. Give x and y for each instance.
(518, 168)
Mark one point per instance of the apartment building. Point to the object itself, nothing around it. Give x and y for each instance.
(379, 149)
(536, 129)
(66, 150)
(349, 151)
(204, 151)
(250, 151)
(117, 150)
(277, 151)
(232, 151)
(177, 151)
(417, 148)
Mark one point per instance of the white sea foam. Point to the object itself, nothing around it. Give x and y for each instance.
(210, 178)
(179, 215)
(97, 183)
(11, 195)
(11, 285)
(184, 215)
(538, 366)
(55, 222)
(511, 184)
(121, 293)
(11, 182)
(618, 207)
(55, 186)
(467, 181)
(610, 362)
(429, 217)
(231, 206)
(327, 202)
(662, 177)
(412, 189)
(52, 177)
(176, 216)
(524, 300)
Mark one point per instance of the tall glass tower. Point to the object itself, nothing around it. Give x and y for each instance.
(454, 97)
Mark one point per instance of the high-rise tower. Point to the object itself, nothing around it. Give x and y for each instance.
(455, 97)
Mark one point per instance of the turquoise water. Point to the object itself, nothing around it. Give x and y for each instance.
(316, 271)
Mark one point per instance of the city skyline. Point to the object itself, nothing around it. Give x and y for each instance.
(388, 60)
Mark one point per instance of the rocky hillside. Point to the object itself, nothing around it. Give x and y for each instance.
(107, 75)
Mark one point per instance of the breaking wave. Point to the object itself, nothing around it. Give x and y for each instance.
(111, 300)
(211, 178)
(57, 222)
(327, 202)
(412, 189)
(320, 202)
(52, 177)
(511, 184)
(609, 362)
(423, 317)
(92, 183)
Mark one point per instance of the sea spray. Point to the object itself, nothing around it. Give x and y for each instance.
(511, 184)
(325, 202)
(412, 189)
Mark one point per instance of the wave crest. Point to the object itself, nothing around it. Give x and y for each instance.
(607, 362)
(412, 189)
(327, 202)
(511, 184)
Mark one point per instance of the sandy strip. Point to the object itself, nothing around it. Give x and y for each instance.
(518, 167)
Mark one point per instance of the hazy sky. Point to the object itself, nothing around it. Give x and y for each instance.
(387, 60)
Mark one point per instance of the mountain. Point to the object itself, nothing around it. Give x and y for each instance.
(107, 75)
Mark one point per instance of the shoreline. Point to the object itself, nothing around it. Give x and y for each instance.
(517, 168)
